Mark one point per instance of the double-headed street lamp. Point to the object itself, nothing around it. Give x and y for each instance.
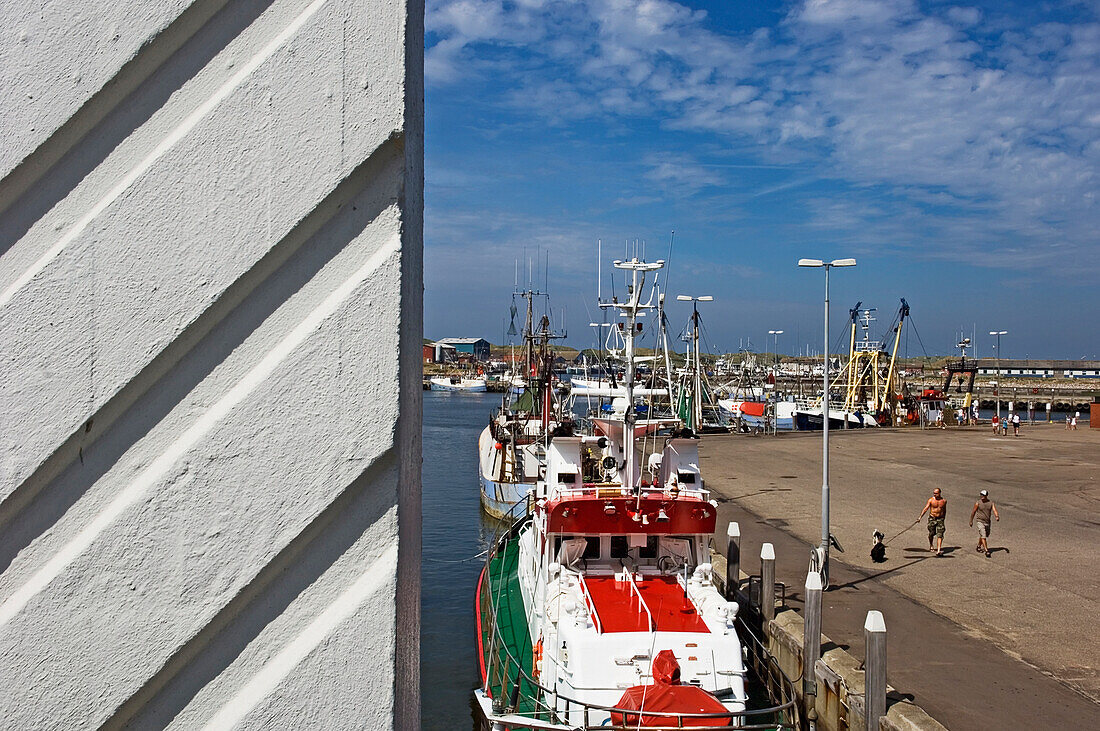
(819, 557)
(997, 347)
(775, 350)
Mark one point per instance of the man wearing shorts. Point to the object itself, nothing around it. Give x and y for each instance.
(936, 507)
(983, 509)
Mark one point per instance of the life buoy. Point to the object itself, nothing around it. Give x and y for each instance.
(536, 661)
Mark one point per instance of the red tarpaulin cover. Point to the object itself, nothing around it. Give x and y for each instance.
(666, 695)
(753, 408)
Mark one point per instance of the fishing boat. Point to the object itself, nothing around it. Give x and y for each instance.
(459, 383)
(866, 383)
(695, 402)
(758, 414)
(512, 447)
(597, 604)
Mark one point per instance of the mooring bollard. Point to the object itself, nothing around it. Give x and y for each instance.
(811, 637)
(767, 581)
(733, 559)
(874, 663)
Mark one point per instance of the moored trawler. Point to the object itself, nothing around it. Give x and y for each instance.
(596, 605)
(512, 447)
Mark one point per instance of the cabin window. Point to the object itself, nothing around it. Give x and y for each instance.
(687, 478)
(681, 547)
(567, 477)
(620, 547)
(591, 548)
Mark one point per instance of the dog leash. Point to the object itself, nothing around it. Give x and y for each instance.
(907, 529)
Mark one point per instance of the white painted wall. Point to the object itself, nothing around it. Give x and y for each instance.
(210, 327)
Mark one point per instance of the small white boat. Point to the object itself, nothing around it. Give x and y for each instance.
(602, 388)
(459, 383)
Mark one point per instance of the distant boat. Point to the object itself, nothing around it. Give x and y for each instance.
(752, 414)
(459, 383)
(807, 417)
(512, 447)
(603, 388)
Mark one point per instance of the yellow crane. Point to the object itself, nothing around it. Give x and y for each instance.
(869, 380)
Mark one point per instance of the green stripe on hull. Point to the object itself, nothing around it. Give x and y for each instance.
(501, 590)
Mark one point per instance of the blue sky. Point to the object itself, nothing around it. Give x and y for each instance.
(952, 149)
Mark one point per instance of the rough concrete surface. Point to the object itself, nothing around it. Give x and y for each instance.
(210, 301)
(979, 642)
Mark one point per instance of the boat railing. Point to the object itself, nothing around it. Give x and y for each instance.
(641, 600)
(522, 702)
(590, 604)
(604, 490)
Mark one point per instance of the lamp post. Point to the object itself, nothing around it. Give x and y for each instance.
(997, 347)
(697, 385)
(775, 384)
(775, 350)
(819, 557)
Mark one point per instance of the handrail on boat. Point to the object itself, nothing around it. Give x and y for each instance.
(591, 603)
(641, 599)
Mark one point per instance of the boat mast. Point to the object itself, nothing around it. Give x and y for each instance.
(664, 345)
(630, 311)
(887, 389)
(528, 332)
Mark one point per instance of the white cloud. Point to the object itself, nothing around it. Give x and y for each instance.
(1002, 121)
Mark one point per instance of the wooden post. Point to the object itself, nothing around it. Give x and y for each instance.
(767, 581)
(874, 663)
(811, 634)
(733, 560)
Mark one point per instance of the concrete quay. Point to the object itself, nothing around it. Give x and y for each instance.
(980, 643)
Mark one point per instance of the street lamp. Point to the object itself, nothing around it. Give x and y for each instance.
(997, 348)
(697, 398)
(819, 557)
(776, 333)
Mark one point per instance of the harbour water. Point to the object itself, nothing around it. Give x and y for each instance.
(454, 536)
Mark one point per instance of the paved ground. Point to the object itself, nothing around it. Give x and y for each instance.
(1003, 642)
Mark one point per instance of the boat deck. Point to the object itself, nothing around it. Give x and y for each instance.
(621, 609)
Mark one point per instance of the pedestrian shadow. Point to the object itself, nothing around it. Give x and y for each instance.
(947, 551)
(999, 548)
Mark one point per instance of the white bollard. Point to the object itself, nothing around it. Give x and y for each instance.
(767, 581)
(733, 559)
(874, 663)
(811, 633)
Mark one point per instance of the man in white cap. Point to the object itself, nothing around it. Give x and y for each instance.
(983, 509)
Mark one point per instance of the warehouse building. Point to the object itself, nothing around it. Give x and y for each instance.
(477, 347)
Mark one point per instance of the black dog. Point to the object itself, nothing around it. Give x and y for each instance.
(878, 548)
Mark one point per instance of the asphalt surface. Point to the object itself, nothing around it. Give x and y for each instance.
(1003, 642)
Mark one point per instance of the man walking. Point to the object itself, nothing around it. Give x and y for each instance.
(936, 507)
(1016, 425)
(983, 509)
